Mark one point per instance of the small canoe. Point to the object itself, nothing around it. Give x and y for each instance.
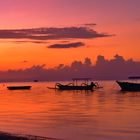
(19, 87)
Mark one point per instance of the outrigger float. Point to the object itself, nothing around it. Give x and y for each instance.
(75, 86)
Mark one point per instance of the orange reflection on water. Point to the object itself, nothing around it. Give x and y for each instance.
(105, 113)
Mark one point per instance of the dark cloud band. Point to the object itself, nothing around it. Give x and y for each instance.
(52, 33)
(66, 46)
(102, 69)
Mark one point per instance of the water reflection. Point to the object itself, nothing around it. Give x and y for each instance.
(75, 92)
(72, 115)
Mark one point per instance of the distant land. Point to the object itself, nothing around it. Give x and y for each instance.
(103, 69)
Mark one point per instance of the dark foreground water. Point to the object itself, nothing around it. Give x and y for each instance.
(105, 114)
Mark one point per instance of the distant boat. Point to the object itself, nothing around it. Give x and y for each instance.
(129, 86)
(134, 77)
(35, 80)
(75, 86)
(19, 87)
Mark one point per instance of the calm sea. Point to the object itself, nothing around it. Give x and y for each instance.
(105, 114)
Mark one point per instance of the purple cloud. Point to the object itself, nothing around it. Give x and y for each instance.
(35, 42)
(90, 24)
(52, 33)
(66, 46)
(103, 69)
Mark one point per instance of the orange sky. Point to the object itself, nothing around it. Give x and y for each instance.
(113, 18)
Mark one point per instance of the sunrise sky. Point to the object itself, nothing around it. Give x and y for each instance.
(52, 32)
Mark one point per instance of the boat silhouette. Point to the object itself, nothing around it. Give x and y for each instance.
(129, 86)
(74, 85)
(19, 87)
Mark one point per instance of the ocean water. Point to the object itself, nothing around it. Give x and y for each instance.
(104, 114)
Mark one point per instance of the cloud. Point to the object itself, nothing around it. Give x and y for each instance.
(52, 33)
(90, 24)
(35, 42)
(66, 46)
(113, 69)
(25, 61)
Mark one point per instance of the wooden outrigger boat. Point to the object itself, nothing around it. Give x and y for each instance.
(74, 85)
(19, 87)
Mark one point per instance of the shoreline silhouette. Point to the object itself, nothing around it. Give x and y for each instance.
(10, 136)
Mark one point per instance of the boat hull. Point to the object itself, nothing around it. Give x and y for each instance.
(128, 86)
(65, 87)
(19, 87)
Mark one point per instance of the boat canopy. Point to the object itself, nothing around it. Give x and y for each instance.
(81, 79)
